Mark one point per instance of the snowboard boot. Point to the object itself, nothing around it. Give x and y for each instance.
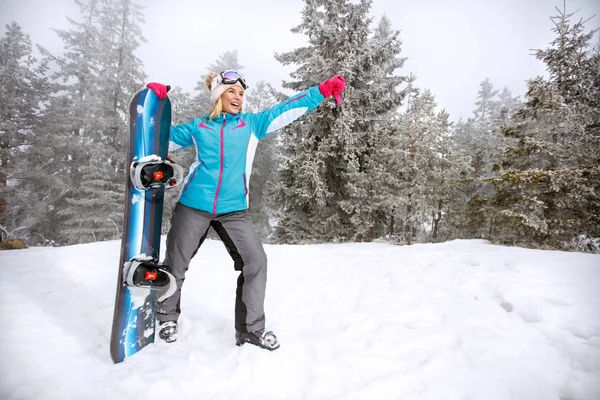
(167, 331)
(261, 338)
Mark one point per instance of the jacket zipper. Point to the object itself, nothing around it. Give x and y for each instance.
(222, 150)
(190, 180)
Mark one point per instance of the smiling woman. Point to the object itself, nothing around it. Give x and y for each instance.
(215, 194)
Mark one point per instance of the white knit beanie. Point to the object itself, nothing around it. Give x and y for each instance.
(216, 90)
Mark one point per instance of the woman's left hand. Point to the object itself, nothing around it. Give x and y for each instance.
(333, 87)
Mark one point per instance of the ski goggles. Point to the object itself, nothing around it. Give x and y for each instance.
(230, 77)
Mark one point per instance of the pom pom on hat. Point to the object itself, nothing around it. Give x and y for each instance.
(209, 79)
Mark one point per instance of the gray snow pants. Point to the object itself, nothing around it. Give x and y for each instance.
(189, 228)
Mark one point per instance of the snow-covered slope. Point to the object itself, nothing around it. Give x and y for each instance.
(457, 320)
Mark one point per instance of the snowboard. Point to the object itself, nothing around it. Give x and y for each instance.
(142, 282)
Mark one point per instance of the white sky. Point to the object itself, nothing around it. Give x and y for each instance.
(451, 45)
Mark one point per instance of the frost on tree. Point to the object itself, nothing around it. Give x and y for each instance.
(547, 193)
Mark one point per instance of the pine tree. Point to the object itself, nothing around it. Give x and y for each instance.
(264, 170)
(444, 186)
(422, 166)
(508, 104)
(100, 74)
(24, 89)
(467, 219)
(480, 138)
(449, 188)
(547, 194)
(182, 106)
(369, 198)
(326, 179)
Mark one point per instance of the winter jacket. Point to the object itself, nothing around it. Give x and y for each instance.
(219, 178)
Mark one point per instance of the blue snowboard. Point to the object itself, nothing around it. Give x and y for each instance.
(134, 316)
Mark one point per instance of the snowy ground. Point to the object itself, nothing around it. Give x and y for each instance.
(458, 320)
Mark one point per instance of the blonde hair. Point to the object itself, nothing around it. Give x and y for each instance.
(217, 109)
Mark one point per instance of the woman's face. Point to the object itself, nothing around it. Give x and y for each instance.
(232, 100)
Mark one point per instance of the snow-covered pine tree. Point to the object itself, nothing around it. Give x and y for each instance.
(466, 219)
(480, 138)
(422, 167)
(182, 106)
(483, 134)
(449, 168)
(370, 201)
(327, 180)
(24, 88)
(392, 160)
(547, 194)
(264, 170)
(100, 74)
(72, 113)
(508, 104)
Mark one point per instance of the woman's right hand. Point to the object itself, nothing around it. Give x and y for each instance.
(159, 89)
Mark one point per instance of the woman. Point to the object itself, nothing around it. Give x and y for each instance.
(215, 193)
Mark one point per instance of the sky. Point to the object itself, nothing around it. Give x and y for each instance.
(450, 321)
(451, 45)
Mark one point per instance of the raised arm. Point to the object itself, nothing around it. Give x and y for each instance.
(286, 112)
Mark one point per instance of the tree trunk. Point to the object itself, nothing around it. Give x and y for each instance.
(437, 217)
(4, 153)
(407, 226)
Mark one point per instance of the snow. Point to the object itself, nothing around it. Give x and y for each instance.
(150, 159)
(136, 198)
(457, 320)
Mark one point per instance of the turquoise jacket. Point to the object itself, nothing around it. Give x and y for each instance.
(219, 178)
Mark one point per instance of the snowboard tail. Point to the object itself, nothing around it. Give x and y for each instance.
(135, 304)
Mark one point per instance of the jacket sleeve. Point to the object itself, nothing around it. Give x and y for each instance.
(286, 112)
(181, 136)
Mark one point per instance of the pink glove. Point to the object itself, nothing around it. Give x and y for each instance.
(159, 89)
(333, 87)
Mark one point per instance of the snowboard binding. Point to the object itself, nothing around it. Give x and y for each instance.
(145, 272)
(153, 172)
